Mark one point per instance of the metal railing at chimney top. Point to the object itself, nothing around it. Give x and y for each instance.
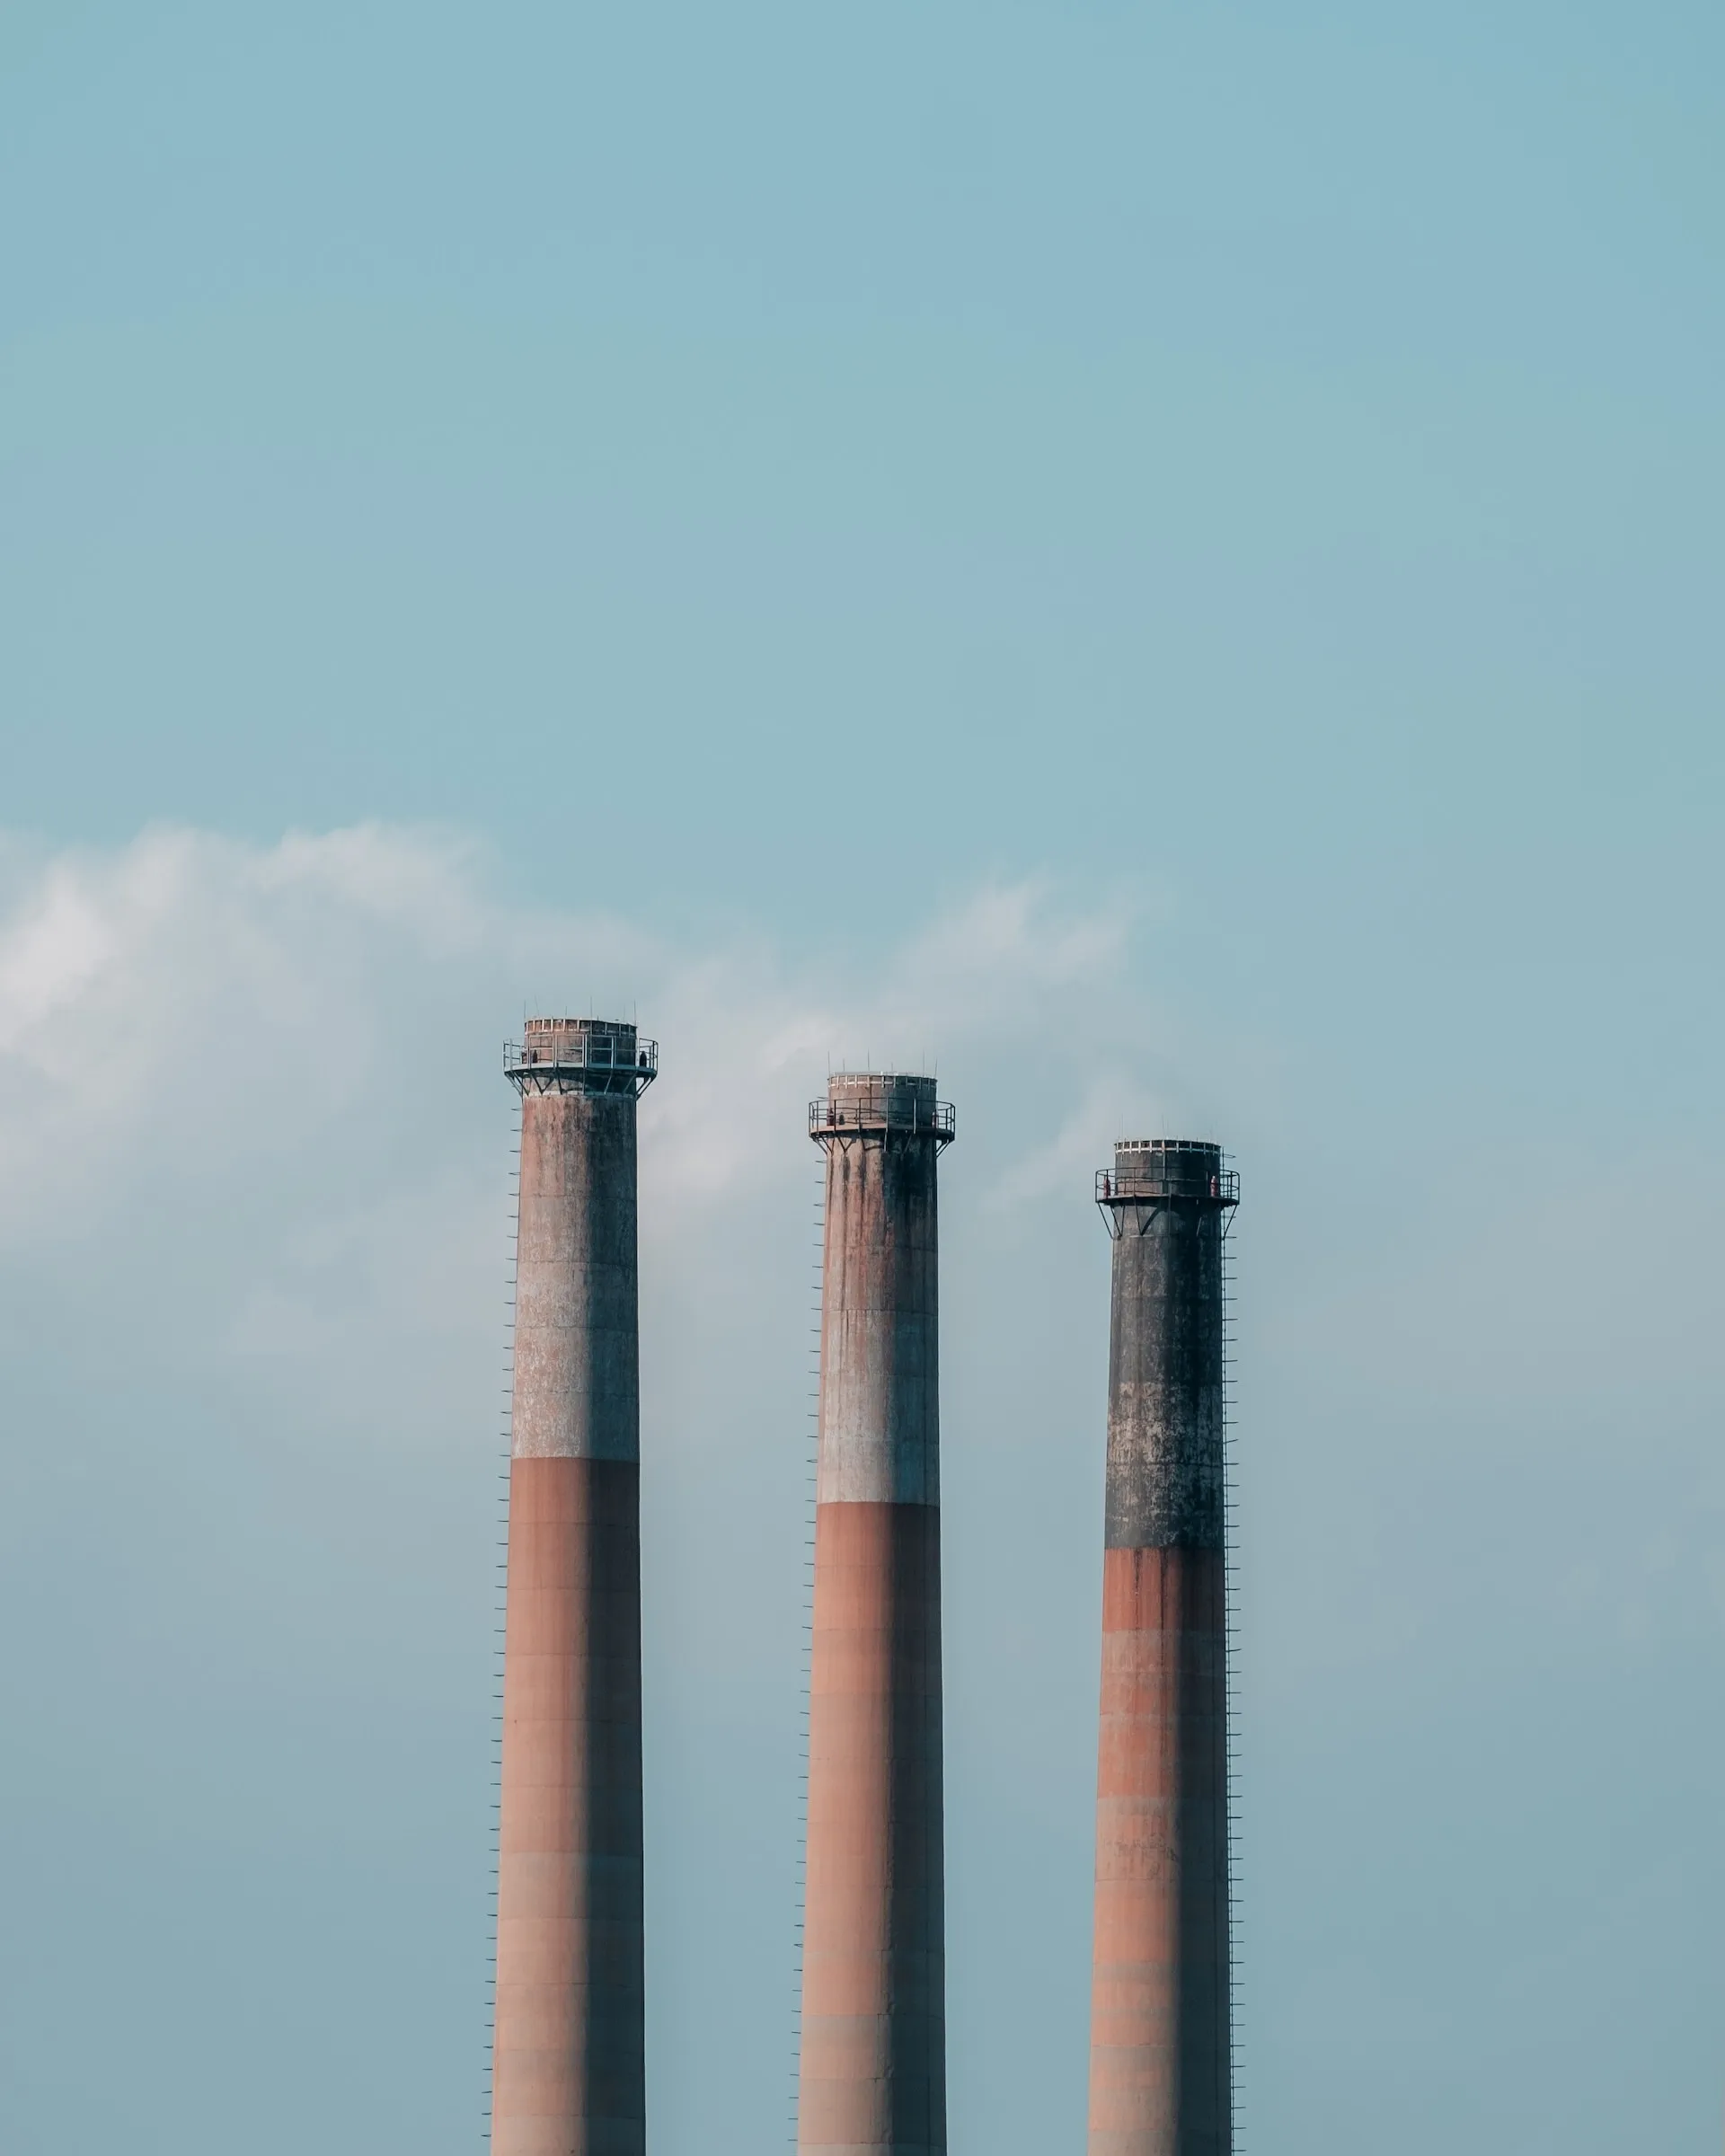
(1117, 1186)
(888, 1109)
(582, 1052)
(581, 1062)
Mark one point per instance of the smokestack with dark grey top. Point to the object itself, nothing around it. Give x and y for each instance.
(568, 2063)
(1161, 2067)
(873, 2071)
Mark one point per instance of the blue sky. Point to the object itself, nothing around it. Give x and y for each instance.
(1167, 558)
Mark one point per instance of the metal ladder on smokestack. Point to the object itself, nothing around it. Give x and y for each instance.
(810, 1492)
(1230, 1565)
(502, 1602)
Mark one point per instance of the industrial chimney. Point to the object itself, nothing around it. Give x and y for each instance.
(567, 2072)
(1161, 2036)
(872, 2071)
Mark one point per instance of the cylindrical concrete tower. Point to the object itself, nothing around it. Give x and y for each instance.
(1160, 2040)
(568, 2075)
(872, 2074)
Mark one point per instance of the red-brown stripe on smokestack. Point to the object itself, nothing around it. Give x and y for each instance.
(1160, 2040)
(872, 2071)
(567, 2062)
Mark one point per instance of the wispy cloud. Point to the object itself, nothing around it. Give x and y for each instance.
(190, 1006)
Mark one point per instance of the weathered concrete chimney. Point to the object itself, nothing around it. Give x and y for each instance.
(872, 2074)
(1161, 2038)
(567, 2072)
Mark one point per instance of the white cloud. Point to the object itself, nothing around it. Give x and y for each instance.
(221, 1000)
(1114, 1105)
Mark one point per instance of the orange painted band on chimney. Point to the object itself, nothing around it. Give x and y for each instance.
(1159, 2059)
(873, 2070)
(567, 2064)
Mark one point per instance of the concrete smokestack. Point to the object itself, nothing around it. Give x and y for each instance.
(567, 2070)
(872, 2074)
(1161, 2036)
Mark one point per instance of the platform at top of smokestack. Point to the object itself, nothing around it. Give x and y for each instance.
(862, 1103)
(579, 1054)
(1147, 1169)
